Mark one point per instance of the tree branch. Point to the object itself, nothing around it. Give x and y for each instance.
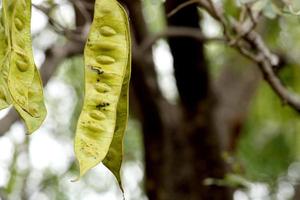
(172, 31)
(252, 46)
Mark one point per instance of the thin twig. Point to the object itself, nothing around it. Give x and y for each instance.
(83, 9)
(254, 21)
(181, 6)
(178, 32)
(253, 47)
(57, 27)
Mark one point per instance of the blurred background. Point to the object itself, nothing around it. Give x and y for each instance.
(203, 122)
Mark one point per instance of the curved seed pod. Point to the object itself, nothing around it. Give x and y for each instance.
(106, 57)
(4, 94)
(24, 83)
(21, 70)
(36, 112)
(5, 99)
(114, 157)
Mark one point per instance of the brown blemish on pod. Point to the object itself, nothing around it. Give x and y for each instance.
(97, 69)
(102, 105)
(105, 60)
(88, 149)
(107, 31)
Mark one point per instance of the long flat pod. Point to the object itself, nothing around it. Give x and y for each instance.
(114, 157)
(37, 112)
(5, 99)
(4, 94)
(106, 57)
(21, 70)
(24, 81)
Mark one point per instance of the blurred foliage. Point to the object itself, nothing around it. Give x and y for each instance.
(270, 141)
(154, 14)
(72, 73)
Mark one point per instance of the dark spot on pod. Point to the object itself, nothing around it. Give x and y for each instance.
(97, 69)
(102, 105)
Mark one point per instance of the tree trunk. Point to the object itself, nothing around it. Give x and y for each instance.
(197, 146)
(181, 147)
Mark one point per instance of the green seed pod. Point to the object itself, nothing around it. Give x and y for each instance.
(97, 115)
(4, 94)
(102, 88)
(104, 46)
(23, 79)
(36, 111)
(21, 69)
(114, 157)
(22, 65)
(107, 31)
(105, 60)
(107, 71)
(19, 24)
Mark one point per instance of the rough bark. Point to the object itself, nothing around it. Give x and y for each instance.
(181, 147)
(197, 138)
(153, 111)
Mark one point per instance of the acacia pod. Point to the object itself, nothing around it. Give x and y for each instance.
(111, 51)
(4, 94)
(105, 60)
(24, 82)
(114, 157)
(36, 111)
(107, 31)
